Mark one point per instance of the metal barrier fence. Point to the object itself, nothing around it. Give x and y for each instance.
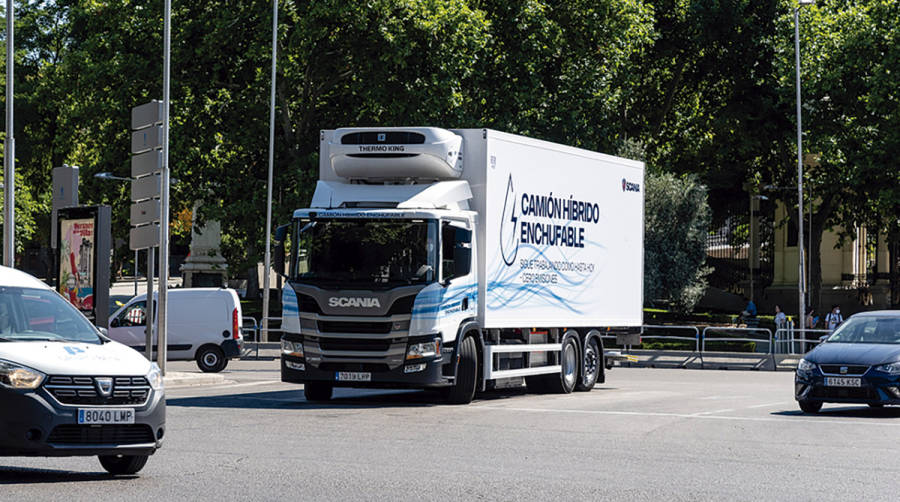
(255, 330)
(789, 337)
(765, 331)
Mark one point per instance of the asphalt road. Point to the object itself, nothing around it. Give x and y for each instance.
(647, 434)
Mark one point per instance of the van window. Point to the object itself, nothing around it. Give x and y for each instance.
(41, 315)
(134, 315)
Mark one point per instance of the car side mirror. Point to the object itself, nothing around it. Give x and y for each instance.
(462, 260)
(278, 252)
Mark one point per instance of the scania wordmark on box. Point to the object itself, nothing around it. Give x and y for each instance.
(460, 260)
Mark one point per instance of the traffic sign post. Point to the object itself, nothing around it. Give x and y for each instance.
(146, 187)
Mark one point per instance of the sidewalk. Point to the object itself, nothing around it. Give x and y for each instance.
(174, 379)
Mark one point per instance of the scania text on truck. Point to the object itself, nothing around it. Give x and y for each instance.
(461, 260)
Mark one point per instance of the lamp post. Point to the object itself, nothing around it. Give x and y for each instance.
(9, 149)
(801, 257)
(268, 259)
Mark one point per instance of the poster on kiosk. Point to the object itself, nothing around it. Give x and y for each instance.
(83, 260)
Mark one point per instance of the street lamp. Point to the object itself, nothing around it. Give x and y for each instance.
(800, 252)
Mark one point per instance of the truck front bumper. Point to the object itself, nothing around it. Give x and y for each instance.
(32, 423)
(436, 373)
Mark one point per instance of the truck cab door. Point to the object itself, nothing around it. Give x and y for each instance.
(456, 275)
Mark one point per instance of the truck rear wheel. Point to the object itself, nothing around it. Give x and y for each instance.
(565, 382)
(590, 365)
(318, 391)
(463, 390)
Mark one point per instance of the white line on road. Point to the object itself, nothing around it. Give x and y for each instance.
(823, 419)
(766, 405)
(726, 410)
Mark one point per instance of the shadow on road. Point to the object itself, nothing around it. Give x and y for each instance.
(846, 411)
(344, 398)
(25, 475)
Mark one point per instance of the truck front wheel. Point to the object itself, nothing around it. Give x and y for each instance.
(318, 391)
(463, 390)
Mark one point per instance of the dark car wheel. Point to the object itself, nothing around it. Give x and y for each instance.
(121, 465)
(810, 406)
(211, 359)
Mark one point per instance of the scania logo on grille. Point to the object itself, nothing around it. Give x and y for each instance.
(349, 301)
(104, 386)
(843, 370)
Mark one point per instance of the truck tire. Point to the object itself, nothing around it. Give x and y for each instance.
(121, 465)
(565, 382)
(463, 390)
(211, 359)
(591, 365)
(318, 391)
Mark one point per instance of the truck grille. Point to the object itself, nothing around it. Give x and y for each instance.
(356, 344)
(101, 434)
(355, 327)
(126, 391)
(835, 369)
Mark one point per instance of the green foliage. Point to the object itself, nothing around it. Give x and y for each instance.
(676, 222)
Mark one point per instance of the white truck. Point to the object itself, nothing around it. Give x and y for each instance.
(461, 260)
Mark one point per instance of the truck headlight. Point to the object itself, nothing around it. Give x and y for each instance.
(890, 368)
(292, 348)
(422, 350)
(154, 377)
(16, 376)
(805, 365)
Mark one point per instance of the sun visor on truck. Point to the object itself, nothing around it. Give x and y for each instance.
(393, 153)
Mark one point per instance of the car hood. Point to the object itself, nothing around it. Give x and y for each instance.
(854, 353)
(59, 358)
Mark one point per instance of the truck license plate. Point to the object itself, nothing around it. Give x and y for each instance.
(105, 416)
(843, 382)
(353, 376)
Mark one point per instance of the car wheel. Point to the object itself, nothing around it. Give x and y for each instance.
(121, 465)
(810, 406)
(211, 359)
(318, 391)
(590, 365)
(463, 390)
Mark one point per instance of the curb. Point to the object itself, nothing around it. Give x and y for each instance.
(187, 379)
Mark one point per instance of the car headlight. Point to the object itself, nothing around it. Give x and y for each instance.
(423, 349)
(155, 377)
(292, 348)
(16, 376)
(891, 368)
(805, 365)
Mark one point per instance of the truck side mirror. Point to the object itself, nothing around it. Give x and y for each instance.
(278, 253)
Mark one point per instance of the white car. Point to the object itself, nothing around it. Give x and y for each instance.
(204, 324)
(68, 390)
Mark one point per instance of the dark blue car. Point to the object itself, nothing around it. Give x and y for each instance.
(858, 363)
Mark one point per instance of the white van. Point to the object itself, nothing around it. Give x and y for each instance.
(204, 324)
(68, 390)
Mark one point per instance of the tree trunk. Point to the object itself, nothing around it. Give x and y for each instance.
(894, 265)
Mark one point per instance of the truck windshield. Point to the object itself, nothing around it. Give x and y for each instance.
(36, 315)
(346, 254)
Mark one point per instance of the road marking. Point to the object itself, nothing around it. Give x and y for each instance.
(799, 418)
(767, 404)
(726, 410)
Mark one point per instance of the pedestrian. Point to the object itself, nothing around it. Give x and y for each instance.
(811, 318)
(780, 318)
(834, 318)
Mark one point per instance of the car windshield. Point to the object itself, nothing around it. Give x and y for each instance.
(868, 329)
(36, 315)
(365, 253)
